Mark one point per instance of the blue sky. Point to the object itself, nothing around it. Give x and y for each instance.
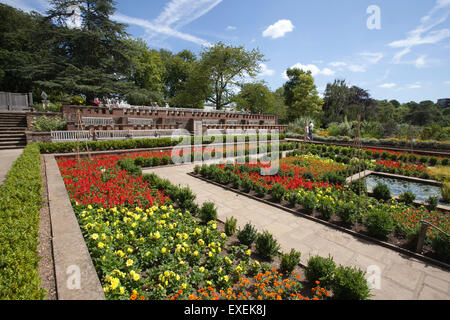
(406, 57)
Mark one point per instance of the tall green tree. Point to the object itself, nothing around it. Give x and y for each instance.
(301, 95)
(219, 72)
(256, 97)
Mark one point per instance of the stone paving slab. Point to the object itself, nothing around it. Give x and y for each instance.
(71, 255)
(7, 158)
(402, 277)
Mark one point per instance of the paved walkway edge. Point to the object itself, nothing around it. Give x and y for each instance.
(76, 278)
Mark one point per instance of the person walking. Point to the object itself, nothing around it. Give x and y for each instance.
(306, 130)
(311, 130)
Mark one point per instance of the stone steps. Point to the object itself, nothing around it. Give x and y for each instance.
(12, 130)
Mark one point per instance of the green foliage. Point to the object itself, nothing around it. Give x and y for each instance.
(46, 124)
(308, 201)
(208, 212)
(230, 226)
(20, 202)
(277, 192)
(379, 223)
(247, 235)
(320, 269)
(267, 246)
(441, 245)
(349, 283)
(347, 211)
(289, 261)
(382, 192)
(407, 197)
(358, 186)
(128, 165)
(432, 203)
(184, 198)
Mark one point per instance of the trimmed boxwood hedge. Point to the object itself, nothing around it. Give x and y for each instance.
(20, 202)
(67, 147)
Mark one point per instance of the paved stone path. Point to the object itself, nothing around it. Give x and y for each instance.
(7, 158)
(402, 277)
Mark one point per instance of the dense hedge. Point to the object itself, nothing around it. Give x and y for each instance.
(67, 147)
(20, 202)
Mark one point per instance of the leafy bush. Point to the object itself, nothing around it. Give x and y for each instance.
(349, 283)
(289, 261)
(326, 208)
(266, 245)
(320, 269)
(20, 202)
(347, 211)
(260, 190)
(45, 124)
(308, 201)
(208, 212)
(128, 165)
(382, 192)
(432, 203)
(358, 186)
(379, 223)
(407, 197)
(247, 235)
(184, 197)
(441, 245)
(230, 226)
(236, 181)
(292, 197)
(197, 169)
(277, 192)
(247, 184)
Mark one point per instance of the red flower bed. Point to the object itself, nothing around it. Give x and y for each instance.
(101, 182)
(401, 165)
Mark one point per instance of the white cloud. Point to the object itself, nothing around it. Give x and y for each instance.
(416, 85)
(315, 70)
(265, 71)
(27, 6)
(388, 85)
(175, 15)
(159, 29)
(279, 29)
(447, 82)
(231, 28)
(423, 33)
(357, 68)
(372, 57)
(337, 64)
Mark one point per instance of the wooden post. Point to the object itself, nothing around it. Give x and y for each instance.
(422, 236)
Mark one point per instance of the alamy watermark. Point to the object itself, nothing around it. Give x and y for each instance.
(374, 20)
(238, 147)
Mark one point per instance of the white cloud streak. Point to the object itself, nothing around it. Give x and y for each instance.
(423, 34)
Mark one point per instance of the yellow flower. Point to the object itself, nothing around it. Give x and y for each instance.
(114, 283)
(122, 290)
(129, 263)
(101, 245)
(195, 253)
(249, 252)
(129, 250)
(94, 236)
(223, 235)
(201, 242)
(163, 250)
(136, 277)
(184, 286)
(201, 269)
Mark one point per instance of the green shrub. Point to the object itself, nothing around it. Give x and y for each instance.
(247, 184)
(347, 211)
(128, 165)
(197, 169)
(379, 223)
(432, 203)
(308, 201)
(277, 192)
(267, 246)
(20, 202)
(382, 192)
(292, 197)
(46, 124)
(432, 161)
(289, 261)
(236, 181)
(326, 208)
(208, 212)
(308, 176)
(349, 283)
(320, 269)
(185, 198)
(441, 246)
(358, 186)
(156, 161)
(230, 226)
(247, 235)
(407, 197)
(260, 190)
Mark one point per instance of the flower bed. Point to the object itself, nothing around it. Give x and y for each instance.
(145, 245)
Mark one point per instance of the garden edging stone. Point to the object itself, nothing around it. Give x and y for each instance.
(76, 277)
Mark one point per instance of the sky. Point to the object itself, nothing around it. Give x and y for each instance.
(394, 49)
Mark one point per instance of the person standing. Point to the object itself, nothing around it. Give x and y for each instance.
(310, 131)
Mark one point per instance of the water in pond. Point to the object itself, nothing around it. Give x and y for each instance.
(398, 186)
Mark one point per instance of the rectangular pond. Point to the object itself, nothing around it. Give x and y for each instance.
(397, 186)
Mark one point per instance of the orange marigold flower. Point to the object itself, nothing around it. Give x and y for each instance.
(317, 282)
(133, 296)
